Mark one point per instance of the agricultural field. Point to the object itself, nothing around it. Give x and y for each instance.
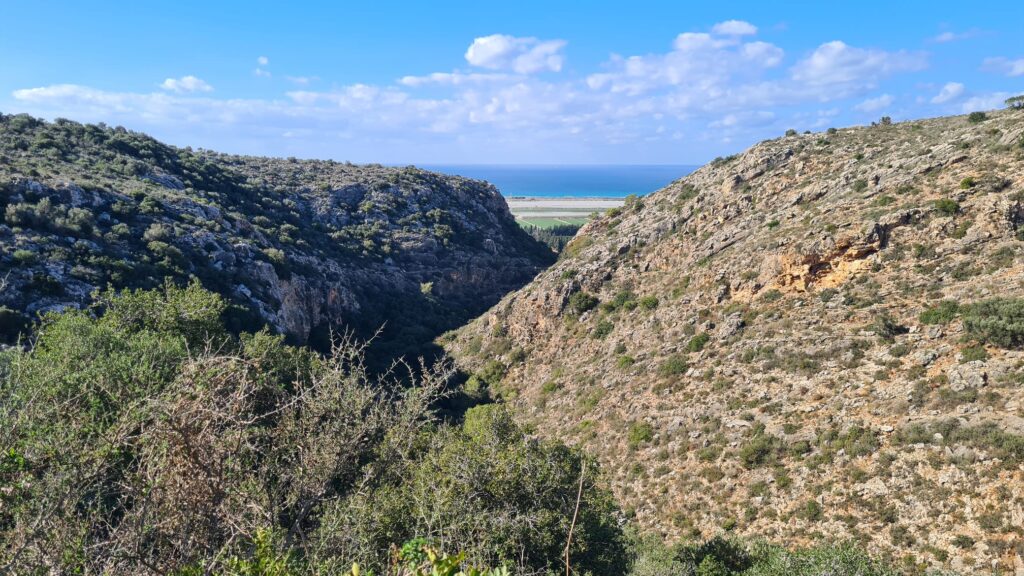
(552, 212)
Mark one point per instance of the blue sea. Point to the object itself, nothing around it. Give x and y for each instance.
(578, 181)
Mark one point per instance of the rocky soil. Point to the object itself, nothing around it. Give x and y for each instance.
(787, 344)
(302, 246)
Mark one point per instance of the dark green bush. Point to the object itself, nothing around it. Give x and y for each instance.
(581, 302)
(603, 328)
(13, 325)
(500, 496)
(977, 117)
(640, 433)
(999, 321)
(941, 313)
(760, 449)
(697, 343)
(947, 206)
(673, 365)
(145, 436)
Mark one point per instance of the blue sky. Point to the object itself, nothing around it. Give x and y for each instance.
(502, 82)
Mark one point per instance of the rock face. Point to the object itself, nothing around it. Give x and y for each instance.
(759, 357)
(304, 246)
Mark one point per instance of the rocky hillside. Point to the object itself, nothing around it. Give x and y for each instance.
(304, 246)
(818, 338)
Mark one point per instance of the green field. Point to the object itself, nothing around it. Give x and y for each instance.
(551, 221)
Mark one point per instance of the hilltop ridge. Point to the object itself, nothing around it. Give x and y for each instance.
(817, 338)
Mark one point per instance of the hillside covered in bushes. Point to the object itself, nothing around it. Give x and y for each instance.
(821, 337)
(141, 437)
(302, 246)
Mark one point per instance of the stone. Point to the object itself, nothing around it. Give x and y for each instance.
(970, 375)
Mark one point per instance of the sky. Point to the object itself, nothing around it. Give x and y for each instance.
(535, 82)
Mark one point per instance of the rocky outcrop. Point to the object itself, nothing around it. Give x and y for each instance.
(305, 247)
(755, 357)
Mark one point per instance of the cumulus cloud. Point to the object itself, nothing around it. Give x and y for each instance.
(521, 55)
(715, 87)
(734, 28)
(263, 61)
(875, 104)
(951, 91)
(838, 63)
(984, 102)
(1004, 66)
(186, 84)
(698, 62)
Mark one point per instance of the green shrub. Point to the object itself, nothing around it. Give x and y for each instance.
(640, 433)
(282, 461)
(947, 206)
(976, 117)
(760, 449)
(24, 257)
(967, 183)
(697, 343)
(942, 313)
(504, 498)
(649, 302)
(581, 302)
(999, 322)
(603, 328)
(810, 511)
(972, 353)
(673, 365)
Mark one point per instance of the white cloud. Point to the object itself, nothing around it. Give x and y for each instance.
(734, 28)
(721, 89)
(453, 79)
(1004, 66)
(744, 119)
(699, 63)
(951, 91)
(875, 104)
(838, 63)
(950, 36)
(186, 84)
(260, 71)
(521, 55)
(985, 102)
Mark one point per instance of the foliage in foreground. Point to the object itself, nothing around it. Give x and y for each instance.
(143, 438)
(729, 557)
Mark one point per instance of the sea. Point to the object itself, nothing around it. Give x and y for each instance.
(572, 181)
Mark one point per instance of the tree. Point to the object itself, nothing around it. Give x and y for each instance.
(1015, 102)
